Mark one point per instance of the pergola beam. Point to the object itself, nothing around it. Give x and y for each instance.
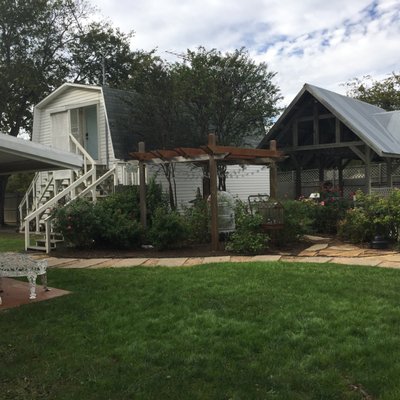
(211, 154)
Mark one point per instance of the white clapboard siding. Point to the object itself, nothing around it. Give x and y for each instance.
(240, 182)
(73, 97)
(187, 179)
(250, 180)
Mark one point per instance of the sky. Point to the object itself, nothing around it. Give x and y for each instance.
(322, 42)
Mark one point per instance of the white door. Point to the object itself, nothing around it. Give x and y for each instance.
(91, 135)
(59, 130)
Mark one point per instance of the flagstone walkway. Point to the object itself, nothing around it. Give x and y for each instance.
(319, 252)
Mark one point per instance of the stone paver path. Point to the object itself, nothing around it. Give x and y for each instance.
(319, 251)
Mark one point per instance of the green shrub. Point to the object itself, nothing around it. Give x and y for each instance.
(394, 213)
(356, 227)
(248, 238)
(168, 229)
(372, 215)
(117, 228)
(77, 222)
(197, 219)
(327, 214)
(125, 200)
(155, 198)
(297, 221)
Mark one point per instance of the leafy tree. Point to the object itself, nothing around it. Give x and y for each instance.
(100, 45)
(228, 93)
(44, 43)
(179, 103)
(384, 93)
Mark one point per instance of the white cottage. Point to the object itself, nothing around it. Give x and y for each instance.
(91, 121)
(94, 122)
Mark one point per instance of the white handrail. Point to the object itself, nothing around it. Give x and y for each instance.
(82, 150)
(59, 196)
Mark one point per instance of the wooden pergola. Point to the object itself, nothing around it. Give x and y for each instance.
(213, 155)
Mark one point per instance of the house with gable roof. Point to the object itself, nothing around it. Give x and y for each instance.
(330, 137)
(94, 122)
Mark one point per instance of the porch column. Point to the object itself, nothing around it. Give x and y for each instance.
(368, 170)
(389, 171)
(341, 184)
(142, 188)
(273, 174)
(213, 197)
(321, 175)
(298, 182)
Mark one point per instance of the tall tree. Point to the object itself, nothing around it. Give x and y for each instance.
(206, 90)
(33, 36)
(229, 93)
(383, 93)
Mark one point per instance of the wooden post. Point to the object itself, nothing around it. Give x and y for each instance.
(142, 188)
(315, 124)
(367, 170)
(273, 174)
(298, 183)
(214, 197)
(341, 182)
(337, 130)
(321, 172)
(389, 171)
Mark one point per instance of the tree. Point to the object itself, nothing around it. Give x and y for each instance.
(33, 35)
(44, 43)
(180, 103)
(384, 93)
(228, 93)
(101, 54)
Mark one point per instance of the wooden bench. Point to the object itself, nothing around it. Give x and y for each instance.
(17, 264)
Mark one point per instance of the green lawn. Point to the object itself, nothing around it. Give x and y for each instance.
(11, 241)
(224, 331)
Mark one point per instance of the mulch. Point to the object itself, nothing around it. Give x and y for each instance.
(201, 250)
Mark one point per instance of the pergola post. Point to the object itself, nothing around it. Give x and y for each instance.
(273, 173)
(142, 188)
(213, 196)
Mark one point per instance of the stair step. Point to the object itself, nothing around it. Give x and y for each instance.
(39, 248)
(42, 243)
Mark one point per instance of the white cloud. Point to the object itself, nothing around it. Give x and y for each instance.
(324, 43)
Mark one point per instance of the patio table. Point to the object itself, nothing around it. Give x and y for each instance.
(17, 264)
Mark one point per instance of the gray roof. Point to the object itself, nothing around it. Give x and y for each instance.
(17, 155)
(118, 104)
(373, 125)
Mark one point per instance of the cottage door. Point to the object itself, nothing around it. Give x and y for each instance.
(59, 130)
(91, 137)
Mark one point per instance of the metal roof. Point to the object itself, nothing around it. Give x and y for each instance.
(373, 125)
(17, 155)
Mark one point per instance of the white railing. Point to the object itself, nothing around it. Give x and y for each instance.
(77, 148)
(91, 188)
(31, 199)
(81, 183)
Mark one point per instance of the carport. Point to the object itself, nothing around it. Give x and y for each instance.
(19, 155)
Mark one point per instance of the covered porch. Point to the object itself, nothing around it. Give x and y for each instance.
(330, 137)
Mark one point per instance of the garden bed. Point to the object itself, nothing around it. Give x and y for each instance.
(199, 250)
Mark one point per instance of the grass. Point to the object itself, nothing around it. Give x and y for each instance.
(225, 331)
(11, 241)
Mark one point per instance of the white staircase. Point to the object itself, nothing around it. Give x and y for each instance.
(54, 188)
